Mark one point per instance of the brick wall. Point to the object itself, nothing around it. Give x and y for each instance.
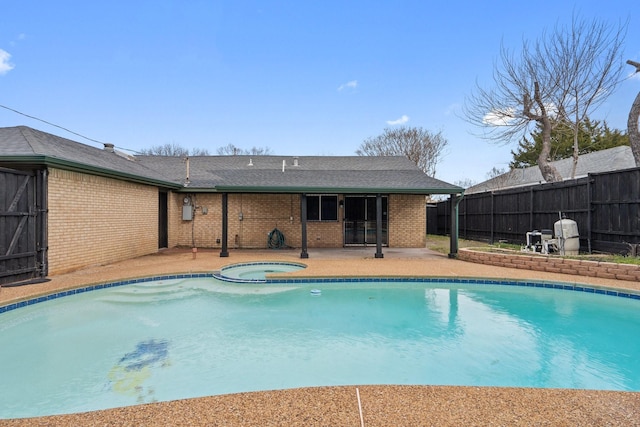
(96, 220)
(174, 218)
(407, 221)
(607, 270)
(261, 213)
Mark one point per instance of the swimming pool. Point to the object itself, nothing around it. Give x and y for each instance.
(179, 337)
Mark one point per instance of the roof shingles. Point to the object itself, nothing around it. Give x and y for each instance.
(615, 158)
(234, 173)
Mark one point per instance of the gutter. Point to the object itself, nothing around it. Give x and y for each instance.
(342, 190)
(48, 161)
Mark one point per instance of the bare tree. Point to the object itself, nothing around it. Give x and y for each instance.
(422, 147)
(229, 150)
(173, 150)
(259, 151)
(232, 150)
(495, 172)
(498, 178)
(178, 151)
(589, 55)
(632, 124)
(465, 183)
(199, 152)
(565, 73)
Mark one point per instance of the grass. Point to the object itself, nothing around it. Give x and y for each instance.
(441, 244)
(620, 259)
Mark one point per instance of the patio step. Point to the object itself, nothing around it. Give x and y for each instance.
(150, 292)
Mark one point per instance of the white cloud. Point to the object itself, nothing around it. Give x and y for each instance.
(509, 116)
(402, 120)
(5, 64)
(348, 85)
(498, 118)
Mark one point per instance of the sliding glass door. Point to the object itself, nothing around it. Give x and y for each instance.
(360, 220)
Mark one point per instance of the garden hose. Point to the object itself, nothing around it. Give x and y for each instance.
(276, 239)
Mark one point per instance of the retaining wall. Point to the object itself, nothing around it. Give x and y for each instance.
(552, 264)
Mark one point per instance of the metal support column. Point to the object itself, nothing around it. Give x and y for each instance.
(303, 222)
(453, 243)
(225, 225)
(379, 253)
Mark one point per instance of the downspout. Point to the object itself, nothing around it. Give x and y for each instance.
(453, 248)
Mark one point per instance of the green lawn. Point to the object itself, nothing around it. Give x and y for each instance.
(441, 244)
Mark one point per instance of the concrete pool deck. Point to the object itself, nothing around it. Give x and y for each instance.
(339, 406)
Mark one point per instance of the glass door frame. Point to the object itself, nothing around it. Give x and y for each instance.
(359, 222)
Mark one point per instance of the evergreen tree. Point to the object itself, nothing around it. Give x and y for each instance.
(592, 136)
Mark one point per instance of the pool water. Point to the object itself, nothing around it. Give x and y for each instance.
(175, 339)
(257, 271)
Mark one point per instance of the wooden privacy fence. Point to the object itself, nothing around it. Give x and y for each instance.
(23, 226)
(606, 207)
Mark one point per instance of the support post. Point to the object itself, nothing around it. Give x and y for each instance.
(225, 225)
(590, 209)
(493, 203)
(379, 253)
(453, 241)
(303, 224)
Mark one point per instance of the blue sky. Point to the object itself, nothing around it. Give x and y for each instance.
(300, 77)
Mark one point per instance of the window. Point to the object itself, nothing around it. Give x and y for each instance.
(322, 208)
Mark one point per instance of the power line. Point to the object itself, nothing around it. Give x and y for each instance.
(51, 124)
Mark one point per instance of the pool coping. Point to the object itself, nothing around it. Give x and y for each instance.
(577, 287)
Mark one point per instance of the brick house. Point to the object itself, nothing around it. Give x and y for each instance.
(67, 205)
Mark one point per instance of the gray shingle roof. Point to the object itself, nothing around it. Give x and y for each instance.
(611, 159)
(352, 174)
(23, 143)
(312, 173)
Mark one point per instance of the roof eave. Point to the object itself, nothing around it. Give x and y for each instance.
(342, 190)
(84, 168)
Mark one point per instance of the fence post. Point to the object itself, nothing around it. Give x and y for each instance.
(465, 218)
(589, 209)
(531, 209)
(492, 219)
